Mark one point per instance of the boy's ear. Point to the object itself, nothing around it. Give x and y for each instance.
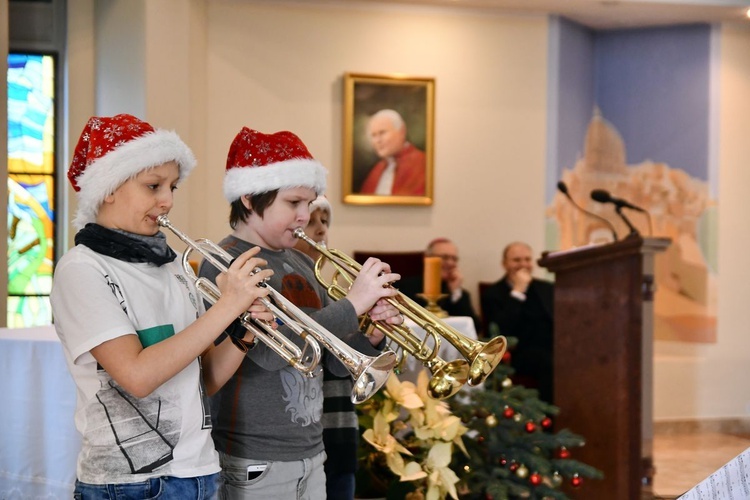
(246, 202)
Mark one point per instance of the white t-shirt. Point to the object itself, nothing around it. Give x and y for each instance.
(127, 439)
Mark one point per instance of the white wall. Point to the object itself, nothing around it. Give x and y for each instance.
(279, 65)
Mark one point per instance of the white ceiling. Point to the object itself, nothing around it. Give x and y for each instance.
(608, 14)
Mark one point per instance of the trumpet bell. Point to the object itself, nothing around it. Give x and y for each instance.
(485, 360)
(448, 379)
(373, 377)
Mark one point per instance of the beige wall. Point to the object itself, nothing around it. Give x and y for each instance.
(81, 84)
(153, 76)
(277, 65)
(274, 68)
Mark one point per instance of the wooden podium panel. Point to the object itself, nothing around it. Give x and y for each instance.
(603, 360)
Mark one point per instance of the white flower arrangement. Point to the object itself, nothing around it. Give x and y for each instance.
(416, 434)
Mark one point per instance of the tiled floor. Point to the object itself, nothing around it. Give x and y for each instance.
(683, 460)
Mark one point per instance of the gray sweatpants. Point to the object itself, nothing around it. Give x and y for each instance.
(302, 479)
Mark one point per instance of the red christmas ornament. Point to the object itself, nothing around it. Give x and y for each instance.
(487, 496)
(502, 461)
(546, 423)
(576, 481)
(530, 426)
(508, 412)
(563, 452)
(535, 479)
(513, 467)
(506, 358)
(480, 439)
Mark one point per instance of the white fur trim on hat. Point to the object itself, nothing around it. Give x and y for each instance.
(103, 176)
(298, 172)
(322, 203)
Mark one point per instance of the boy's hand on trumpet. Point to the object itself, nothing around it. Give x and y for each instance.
(385, 312)
(371, 285)
(239, 285)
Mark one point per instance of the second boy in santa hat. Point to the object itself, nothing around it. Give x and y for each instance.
(267, 425)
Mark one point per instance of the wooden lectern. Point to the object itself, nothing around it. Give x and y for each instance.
(603, 360)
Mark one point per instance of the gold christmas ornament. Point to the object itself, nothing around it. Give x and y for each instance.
(522, 472)
(491, 421)
(557, 479)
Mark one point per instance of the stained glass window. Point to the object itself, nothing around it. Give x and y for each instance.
(31, 188)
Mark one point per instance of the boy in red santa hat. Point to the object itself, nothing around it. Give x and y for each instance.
(267, 426)
(136, 339)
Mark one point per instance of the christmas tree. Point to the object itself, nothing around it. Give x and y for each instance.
(512, 449)
(503, 446)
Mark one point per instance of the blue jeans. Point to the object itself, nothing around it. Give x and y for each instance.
(163, 488)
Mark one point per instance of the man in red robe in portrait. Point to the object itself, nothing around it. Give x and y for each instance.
(401, 170)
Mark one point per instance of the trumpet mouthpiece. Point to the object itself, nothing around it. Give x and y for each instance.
(162, 220)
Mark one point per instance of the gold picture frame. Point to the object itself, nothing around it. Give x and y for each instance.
(389, 123)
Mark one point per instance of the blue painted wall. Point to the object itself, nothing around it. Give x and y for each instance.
(653, 86)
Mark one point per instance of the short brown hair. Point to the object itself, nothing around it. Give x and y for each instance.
(238, 212)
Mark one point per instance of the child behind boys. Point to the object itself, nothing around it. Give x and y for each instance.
(340, 423)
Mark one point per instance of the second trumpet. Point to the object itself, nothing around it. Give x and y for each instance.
(481, 358)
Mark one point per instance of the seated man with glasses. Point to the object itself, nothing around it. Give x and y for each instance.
(458, 301)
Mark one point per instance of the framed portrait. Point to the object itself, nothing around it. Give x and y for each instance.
(388, 140)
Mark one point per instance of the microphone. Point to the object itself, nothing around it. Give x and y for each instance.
(603, 196)
(563, 188)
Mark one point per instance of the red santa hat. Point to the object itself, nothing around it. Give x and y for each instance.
(322, 203)
(112, 150)
(258, 163)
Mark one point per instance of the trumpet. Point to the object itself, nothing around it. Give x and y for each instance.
(481, 358)
(369, 373)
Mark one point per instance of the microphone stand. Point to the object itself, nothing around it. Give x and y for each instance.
(564, 190)
(633, 230)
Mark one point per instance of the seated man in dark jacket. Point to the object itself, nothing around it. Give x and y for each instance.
(458, 300)
(521, 306)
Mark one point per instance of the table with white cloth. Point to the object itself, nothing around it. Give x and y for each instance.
(462, 324)
(39, 443)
